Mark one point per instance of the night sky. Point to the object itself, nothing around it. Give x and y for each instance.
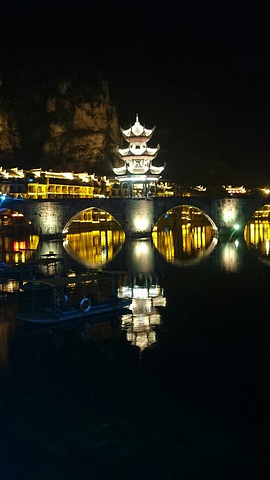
(198, 70)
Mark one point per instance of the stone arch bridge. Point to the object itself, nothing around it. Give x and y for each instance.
(137, 216)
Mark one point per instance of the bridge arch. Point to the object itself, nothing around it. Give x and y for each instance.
(87, 215)
(185, 235)
(181, 205)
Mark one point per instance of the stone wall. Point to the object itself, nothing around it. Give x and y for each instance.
(137, 216)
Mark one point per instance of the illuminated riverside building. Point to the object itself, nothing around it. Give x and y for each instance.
(235, 190)
(39, 184)
(138, 176)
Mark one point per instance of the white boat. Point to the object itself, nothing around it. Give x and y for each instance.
(64, 312)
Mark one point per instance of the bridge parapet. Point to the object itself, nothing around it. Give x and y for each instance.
(137, 216)
(224, 212)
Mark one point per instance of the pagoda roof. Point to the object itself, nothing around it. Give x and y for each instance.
(120, 170)
(141, 152)
(156, 170)
(138, 177)
(137, 130)
(141, 170)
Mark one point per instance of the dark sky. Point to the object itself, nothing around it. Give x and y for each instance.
(198, 70)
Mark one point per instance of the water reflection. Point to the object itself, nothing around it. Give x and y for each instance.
(96, 248)
(184, 236)
(230, 256)
(8, 286)
(17, 249)
(257, 232)
(141, 325)
(7, 328)
(139, 255)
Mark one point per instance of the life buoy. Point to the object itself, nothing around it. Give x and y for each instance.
(85, 304)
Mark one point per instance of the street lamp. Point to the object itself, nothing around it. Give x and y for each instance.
(235, 228)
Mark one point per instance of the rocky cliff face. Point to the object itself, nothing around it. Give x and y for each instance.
(83, 129)
(9, 137)
(53, 118)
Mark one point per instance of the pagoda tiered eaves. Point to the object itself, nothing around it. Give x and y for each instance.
(138, 152)
(138, 173)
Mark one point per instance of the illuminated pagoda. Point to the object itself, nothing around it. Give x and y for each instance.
(138, 175)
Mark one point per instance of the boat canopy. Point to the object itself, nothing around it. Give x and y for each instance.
(78, 279)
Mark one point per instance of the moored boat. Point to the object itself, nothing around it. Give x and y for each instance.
(58, 316)
(63, 312)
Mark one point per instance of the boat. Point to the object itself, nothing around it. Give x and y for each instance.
(64, 311)
(17, 270)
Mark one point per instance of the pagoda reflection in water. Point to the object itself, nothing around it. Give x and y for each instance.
(147, 295)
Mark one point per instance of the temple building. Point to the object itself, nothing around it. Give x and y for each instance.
(138, 177)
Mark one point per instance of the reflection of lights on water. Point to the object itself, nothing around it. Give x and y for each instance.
(9, 286)
(154, 291)
(229, 259)
(142, 256)
(257, 231)
(140, 325)
(18, 251)
(140, 306)
(140, 292)
(141, 248)
(184, 234)
(94, 248)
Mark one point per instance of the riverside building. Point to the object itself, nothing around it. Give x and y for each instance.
(38, 184)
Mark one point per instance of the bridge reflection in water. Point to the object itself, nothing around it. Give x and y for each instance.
(184, 235)
(17, 248)
(96, 248)
(257, 231)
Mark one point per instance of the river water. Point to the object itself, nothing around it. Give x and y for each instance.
(178, 387)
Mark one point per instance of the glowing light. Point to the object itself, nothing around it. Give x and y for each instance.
(229, 259)
(141, 224)
(236, 190)
(236, 243)
(237, 226)
(229, 211)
